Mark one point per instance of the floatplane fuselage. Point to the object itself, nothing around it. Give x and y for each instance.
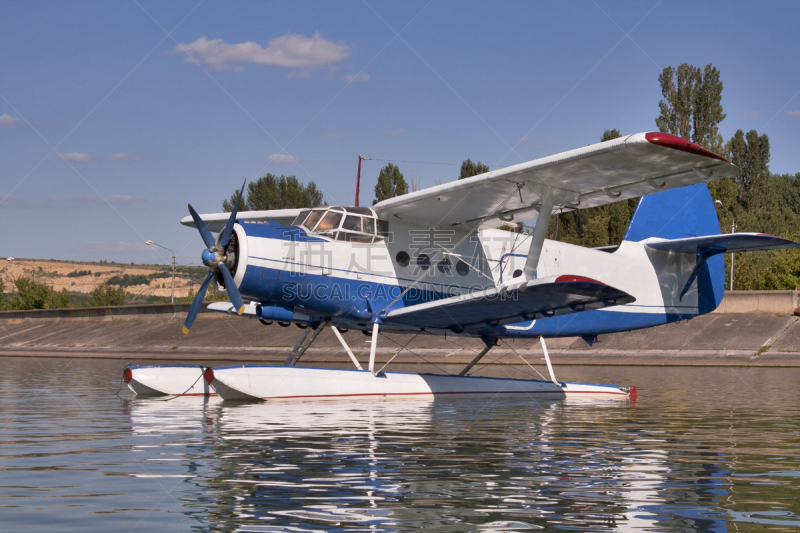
(430, 261)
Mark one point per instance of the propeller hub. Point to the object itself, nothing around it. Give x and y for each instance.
(209, 258)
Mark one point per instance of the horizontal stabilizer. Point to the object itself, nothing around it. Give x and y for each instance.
(540, 298)
(731, 242)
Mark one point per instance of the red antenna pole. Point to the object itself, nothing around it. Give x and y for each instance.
(358, 178)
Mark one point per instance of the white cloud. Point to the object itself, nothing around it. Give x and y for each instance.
(354, 78)
(115, 247)
(393, 133)
(334, 135)
(290, 51)
(76, 157)
(752, 115)
(282, 159)
(124, 157)
(8, 120)
(794, 113)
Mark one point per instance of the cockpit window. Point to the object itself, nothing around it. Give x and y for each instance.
(312, 219)
(330, 221)
(301, 218)
(350, 224)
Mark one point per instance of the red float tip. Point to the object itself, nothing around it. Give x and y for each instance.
(127, 375)
(633, 393)
(209, 375)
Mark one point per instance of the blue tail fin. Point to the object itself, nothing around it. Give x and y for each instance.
(677, 214)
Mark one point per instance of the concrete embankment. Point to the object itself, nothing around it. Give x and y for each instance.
(766, 335)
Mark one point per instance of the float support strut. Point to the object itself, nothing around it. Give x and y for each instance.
(373, 347)
(490, 342)
(346, 347)
(301, 347)
(547, 360)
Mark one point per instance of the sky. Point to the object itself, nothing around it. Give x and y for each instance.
(115, 115)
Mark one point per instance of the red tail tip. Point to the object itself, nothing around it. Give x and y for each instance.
(209, 375)
(633, 393)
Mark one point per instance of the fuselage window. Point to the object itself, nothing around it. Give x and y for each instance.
(403, 259)
(517, 273)
(424, 262)
(444, 266)
(462, 268)
(369, 225)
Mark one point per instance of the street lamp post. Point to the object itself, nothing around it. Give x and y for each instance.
(733, 228)
(151, 243)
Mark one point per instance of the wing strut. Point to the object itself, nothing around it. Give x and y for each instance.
(539, 233)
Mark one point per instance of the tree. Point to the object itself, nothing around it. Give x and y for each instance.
(708, 110)
(468, 169)
(390, 184)
(609, 135)
(2, 295)
(692, 104)
(273, 192)
(751, 154)
(104, 295)
(33, 295)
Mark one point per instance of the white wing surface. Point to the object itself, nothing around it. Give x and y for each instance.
(598, 174)
(217, 221)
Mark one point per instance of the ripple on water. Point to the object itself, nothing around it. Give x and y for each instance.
(75, 456)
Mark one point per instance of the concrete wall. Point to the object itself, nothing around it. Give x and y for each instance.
(778, 302)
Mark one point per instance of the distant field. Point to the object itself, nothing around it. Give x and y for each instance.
(147, 281)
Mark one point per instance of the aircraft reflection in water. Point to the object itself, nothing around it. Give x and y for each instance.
(424, 464)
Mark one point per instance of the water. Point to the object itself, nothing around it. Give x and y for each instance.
(703, 449)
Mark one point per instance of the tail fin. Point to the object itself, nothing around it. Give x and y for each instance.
(675, 214)
(678, 214)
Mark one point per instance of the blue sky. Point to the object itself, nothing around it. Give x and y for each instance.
(115, 115)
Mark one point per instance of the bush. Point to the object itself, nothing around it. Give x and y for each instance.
(33, 295)
(104, 295)
(80, 273)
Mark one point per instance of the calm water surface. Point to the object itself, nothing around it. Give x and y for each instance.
(701, 450)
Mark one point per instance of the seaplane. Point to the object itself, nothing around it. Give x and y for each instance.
(434, 261)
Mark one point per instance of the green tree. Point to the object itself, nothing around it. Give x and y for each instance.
(2, 295)
(609, 135)
(677, 87)
(273, 192)
(468, 168)
(708, 109)
(390, 184)
(33, 295)
(104, 295)
(692, 104)
(751, 154)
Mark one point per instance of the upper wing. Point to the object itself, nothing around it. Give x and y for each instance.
(541, 298)
(216, 221)
(614, 170)
(730, 242)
